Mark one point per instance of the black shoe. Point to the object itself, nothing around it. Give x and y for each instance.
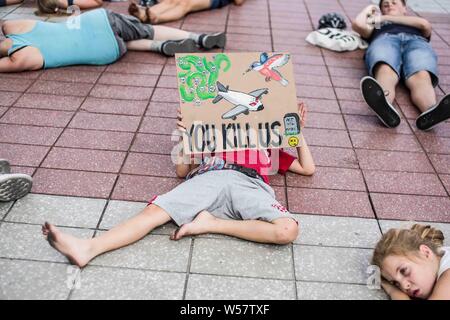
(213, 40)
(170, 47)
(434, 115)
(376, 99)
(147, 3)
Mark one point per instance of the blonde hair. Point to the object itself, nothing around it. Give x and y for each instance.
(405, 242)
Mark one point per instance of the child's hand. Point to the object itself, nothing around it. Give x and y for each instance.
(302, 111)
(180, 125)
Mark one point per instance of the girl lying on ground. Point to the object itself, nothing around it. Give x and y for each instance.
(227, 194)
(171, 10)
(413, 263)
(105, 37)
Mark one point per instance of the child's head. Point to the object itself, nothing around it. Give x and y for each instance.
(409, 258)
(48, 6)
(393, 7)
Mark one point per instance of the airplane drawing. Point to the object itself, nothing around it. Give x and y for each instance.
(243, 102)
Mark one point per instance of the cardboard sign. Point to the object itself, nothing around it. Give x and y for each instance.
(237, 101)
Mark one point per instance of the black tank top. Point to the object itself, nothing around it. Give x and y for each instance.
(394, 28)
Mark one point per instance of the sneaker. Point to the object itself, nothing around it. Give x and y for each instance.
(4, 166)
(213, 40)
(170, 47)
(376, 99)
(147, 3)
(14, 186)
(434, 115)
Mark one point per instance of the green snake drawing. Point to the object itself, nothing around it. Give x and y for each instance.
(199, 76)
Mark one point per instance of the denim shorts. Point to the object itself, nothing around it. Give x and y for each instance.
(405, 53)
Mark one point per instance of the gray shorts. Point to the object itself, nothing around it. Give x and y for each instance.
(128, 28)
(226, 194)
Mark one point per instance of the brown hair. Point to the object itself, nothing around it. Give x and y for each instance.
(381, 2)
(50, 8)
(407, 241)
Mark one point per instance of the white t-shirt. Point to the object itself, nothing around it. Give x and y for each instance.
(445, 261)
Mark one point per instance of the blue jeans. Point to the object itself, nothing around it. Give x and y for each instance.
(405, 53)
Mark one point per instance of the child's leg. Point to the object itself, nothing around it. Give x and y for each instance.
(81, 251)
(422, 92)
(280, 231)
(387, 78)
(177, 10)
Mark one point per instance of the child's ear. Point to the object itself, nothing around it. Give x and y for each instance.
(425, 251)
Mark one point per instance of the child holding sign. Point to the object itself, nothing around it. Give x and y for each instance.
(228, 194)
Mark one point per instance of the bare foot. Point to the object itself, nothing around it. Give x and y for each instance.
(138, 12)
(75, 249)
(201, 224)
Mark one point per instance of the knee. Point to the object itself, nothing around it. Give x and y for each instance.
(238, 2)
(384, 69)
(420, 77)
(286, 231)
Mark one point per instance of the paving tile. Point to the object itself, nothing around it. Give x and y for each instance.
(407, 207)
(166, 95)
(8, 98)
(30, 280)
(37, 117)
(84, 160)
(121, 92)
(348, 72)
(334, 157)
(16, 85)
(138, 188)
(125, 107)
(205, 287)
(163, 109)
(119, 211)
(93, 139)
(325, 121)
(85, 120)
(329, 202)
(70, 75)
(446, 181)
(2, 111)
(321, 105)
(153, 143)
(73, 183)
(158, 125)
(329, 178)
(25, 170)
(337, 291)
(61, 211)
(337, 231)
(355, 107)
(315, 92)
(386, 225)
(44, 101)
(393, 161)
(135, 68)
(434, 144)
(385, 141)
(404, 183)
(99, 283)
(21, 155)
(306, 69)
(4, 208)
(28, 135)
(143, 58)
(372, 124)
(168, 82)
(23, 241)
(441, 162)
(241, 258)
(149, 164)
(326, 264)
(155, 252)
(327, 138)
(60, 88)
(134, 80)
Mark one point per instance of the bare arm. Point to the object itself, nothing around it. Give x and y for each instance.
(23, 60)
(185, 163)
(85, 4)
(416, 22)
(361, 25)
(304, 164)
(394, 292)
(441, 290)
